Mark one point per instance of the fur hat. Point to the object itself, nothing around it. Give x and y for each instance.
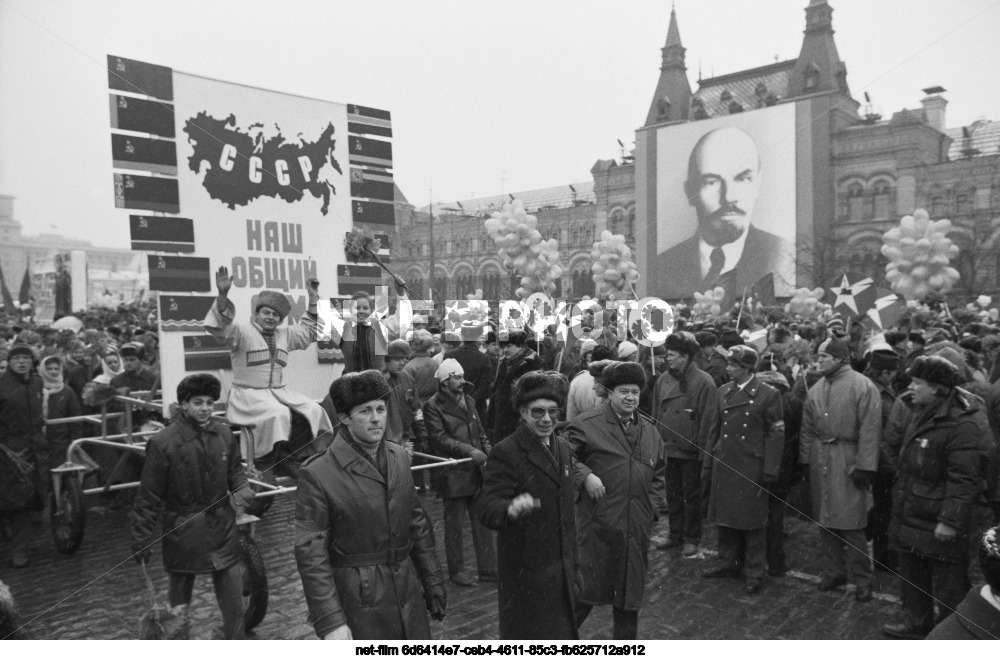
(935, 370)
(422, 340)
(587, 345)
(596, 367)
(730, 338)
(133, 349)
(706, 339)
(448, 368)
(836, 348)
(776, 379)
(516, 338)
(273, 300)
(618, 373)
(199, 384)
(19, 348)
(883, 360)
(953, 356)
(353, 389)
(540, 384)
(684, 343)
(471, 331)
(398, 349)
(626, 349)
(419, 319)
(744, 356)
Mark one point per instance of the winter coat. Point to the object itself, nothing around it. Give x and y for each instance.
(715, 366)
(536, 553)
(613, 534)
(687, 414)
(938, 475)
(454, 432)
(505, 418)
(190, 472)
(478, 371)
(841, 432)
(62, 404)
(364, 546)
(974, 619)
(748, 446)
(422, 369)
(791, 408)
(401, 412)
(21, 428)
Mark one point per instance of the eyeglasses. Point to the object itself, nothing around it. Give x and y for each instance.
(538, 412)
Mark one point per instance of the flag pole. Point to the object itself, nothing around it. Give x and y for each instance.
(742, 304)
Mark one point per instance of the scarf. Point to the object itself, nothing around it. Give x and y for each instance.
(106, 373)
(52, 385)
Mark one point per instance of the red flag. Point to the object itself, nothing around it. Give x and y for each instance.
(851, 295)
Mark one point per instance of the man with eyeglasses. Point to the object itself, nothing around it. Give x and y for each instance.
(616, 451)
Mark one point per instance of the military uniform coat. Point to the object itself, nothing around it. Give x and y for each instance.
(364, 545)
(841, 432)
(536, 553)
(259, 397)
(751, 438)
(613, 534)
(190, 472)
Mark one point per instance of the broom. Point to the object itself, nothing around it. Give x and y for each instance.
(162, 623)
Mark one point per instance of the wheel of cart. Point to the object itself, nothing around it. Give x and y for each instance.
(255, 590)
(67, 517)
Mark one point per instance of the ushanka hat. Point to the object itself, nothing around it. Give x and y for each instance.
(540, 384)
(353, 389)
(273, 300)
(883, 360)
(935, 370)
(684, 343)
(399, 350)
(744, 356)
(618, 373)
(199, 384)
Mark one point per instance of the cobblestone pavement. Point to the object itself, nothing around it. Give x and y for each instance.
(98, 593)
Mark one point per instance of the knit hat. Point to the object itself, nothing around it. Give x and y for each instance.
(883, 360)
(587, 346)
(19, 349)
(744, 356)
(398, 349)
(133, 349)
(626, 349)
(273, 300)
(835, 324)
(199, 384)
(353, 389)
(540, 384)
(448, 368)
(935, 369)
(684, 343)
(836, 348)
(618, 373)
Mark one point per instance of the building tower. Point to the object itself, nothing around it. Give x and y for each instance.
(672, 99)
(819, 68)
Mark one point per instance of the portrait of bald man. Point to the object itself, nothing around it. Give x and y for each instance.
(723, 184)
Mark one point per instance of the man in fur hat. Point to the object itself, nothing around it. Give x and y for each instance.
(191, 468)
(364, 545)
(841, 434)
(686, 409)
(746, 460)
(455, 431)
(518, 359)
(259, 349)
(616, 451)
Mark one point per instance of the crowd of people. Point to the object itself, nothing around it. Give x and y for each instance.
(565, 458)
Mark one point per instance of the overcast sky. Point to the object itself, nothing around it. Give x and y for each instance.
(485, 97)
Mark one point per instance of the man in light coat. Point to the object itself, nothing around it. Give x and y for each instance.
(841, 434)
(616, 451)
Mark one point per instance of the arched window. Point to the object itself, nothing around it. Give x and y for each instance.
(939, 206)
(855, 203)
(883, 201)
(631, 224)
(962, 204)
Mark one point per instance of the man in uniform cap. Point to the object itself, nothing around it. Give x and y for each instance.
(259, 350)
(364, 545)
(746, 460)
(136, 376)
(841, 434)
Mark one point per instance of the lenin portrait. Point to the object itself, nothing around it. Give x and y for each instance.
(723, 185)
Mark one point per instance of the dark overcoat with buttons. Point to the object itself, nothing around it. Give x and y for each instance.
(749, 446)
(613, 534)
(686, 415)
(364, 545)
(454, 432)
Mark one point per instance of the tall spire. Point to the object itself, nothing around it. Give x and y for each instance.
(818, 68)
(672, 98)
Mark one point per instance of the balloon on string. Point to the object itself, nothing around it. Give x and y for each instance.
(522, 250)
(805, 302)
(708, 305)
(613, 268)
(919, 253)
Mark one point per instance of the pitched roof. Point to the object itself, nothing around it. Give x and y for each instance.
(983, 140)
(534, 200)
(751, 88)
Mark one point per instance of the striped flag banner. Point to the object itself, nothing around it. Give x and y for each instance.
(147, 193)
(373, 212)
(366, 151)
(353, 278)
(134, 152)
(152, 233)
(204, 353)
(133, 76)
(184, 274)
(372, 184)
(368, 121)
(142, 116)
(327, 353)
(183, 313)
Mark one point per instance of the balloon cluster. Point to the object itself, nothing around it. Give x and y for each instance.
(919, 252)
(981, 307)
(478, 295)
(806, 303)
(708, 305)
(523, 251)
(613, 267)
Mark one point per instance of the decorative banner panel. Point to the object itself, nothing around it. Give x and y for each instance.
(372, 184)
(151, 233)
(134, 152)
(204, 353)
(146, 193)
(353, 278)
(368, 121)
(141, 116)
(184, 313)
(373, 212)
(179, 273)
(365, 151)
(129, 75)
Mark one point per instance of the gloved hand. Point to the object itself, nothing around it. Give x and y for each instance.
(437, 602)
(478, 457)
(862, 478)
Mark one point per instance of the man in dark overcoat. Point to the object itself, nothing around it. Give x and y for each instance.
(528, 497)
(616, 451)
(191, 467)
(364, 545)
(518, 359)
(746, 456)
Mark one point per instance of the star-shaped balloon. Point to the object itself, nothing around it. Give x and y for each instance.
(853, 298)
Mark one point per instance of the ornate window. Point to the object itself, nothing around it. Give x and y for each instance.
(939, 206)
(855, 203)
(883, 200)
